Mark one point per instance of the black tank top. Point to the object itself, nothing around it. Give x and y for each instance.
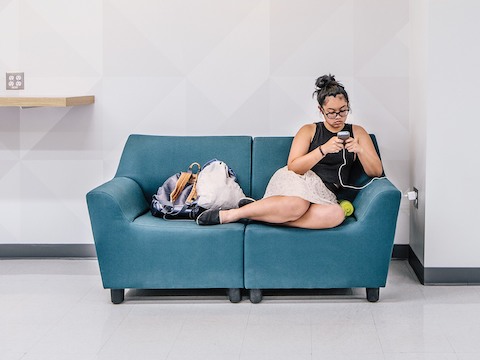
(327, 168)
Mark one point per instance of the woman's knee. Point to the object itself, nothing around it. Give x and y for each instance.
(328, 216)
(294, 208)
(337, 215)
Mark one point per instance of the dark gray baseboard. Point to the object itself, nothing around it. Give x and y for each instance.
(443, 276)
(47, 250)
(400, 252)
(416, 265)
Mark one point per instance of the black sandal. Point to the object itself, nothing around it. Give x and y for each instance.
(209, 217)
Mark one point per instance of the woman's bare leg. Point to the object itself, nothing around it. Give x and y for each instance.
(320, 217)
(274, 209)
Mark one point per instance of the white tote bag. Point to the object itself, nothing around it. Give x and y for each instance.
(217, 187)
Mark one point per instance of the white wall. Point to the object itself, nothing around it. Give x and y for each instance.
(183, 67)
(452, 151)
(444, 95)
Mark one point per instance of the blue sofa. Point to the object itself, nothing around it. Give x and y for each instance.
(138, 251)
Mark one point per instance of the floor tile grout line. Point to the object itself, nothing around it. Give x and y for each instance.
(245, 331)
(184, 320)
(114, 331)
(377, 332)
(311, 337)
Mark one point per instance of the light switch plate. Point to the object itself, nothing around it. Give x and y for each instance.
(15, 80)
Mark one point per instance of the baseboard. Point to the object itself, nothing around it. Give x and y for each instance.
(47, 250)
(443, 276)
(400, 252)
(416, 265)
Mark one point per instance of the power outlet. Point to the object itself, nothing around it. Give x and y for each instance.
(415, 202)
(15, 80)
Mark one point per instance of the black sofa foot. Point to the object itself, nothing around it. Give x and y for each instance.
(373, 294)
(255, 296)
(117, 295)
(234, 295)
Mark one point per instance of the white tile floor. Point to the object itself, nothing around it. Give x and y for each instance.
(58, 310)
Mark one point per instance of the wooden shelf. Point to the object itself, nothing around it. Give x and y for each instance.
(47, 101)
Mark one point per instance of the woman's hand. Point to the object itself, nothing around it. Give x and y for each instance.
(334, 145)
(352, 145)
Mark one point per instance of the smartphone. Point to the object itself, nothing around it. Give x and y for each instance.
(343, 135)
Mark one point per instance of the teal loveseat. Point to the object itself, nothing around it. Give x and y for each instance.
(138, 251)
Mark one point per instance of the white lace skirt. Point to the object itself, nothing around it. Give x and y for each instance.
(308, 186)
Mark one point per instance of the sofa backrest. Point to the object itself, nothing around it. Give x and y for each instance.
(151, 159)
(268, 155)
(271, 153)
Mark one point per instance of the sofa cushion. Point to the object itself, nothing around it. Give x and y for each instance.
(153, 253)
(280, 257)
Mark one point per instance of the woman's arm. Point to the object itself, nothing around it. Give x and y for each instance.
(363, 146)
(299, 159)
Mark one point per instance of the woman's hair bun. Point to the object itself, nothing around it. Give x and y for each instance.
(325, 86)
(324, 81)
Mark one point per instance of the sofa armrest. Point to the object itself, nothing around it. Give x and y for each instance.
(119, 200)
(378, 203)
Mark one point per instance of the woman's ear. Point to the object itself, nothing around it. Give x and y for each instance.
(321, 110)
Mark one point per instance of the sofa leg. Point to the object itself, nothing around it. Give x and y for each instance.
(255, 296)
(373, 294)
(234, 295)
(117, 295)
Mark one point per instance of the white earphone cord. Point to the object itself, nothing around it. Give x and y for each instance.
(349, 186)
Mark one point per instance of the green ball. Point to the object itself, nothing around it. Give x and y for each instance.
(347, 207)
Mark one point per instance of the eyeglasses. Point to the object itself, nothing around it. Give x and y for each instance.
(333, 115)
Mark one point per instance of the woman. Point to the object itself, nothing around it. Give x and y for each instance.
(303, 193)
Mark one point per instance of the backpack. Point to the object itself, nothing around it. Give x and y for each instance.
(177, 197)
(217, 186)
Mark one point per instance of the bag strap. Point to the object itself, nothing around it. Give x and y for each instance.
(186, 178)
(180, 185)
(193, 180)
(193, 194)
